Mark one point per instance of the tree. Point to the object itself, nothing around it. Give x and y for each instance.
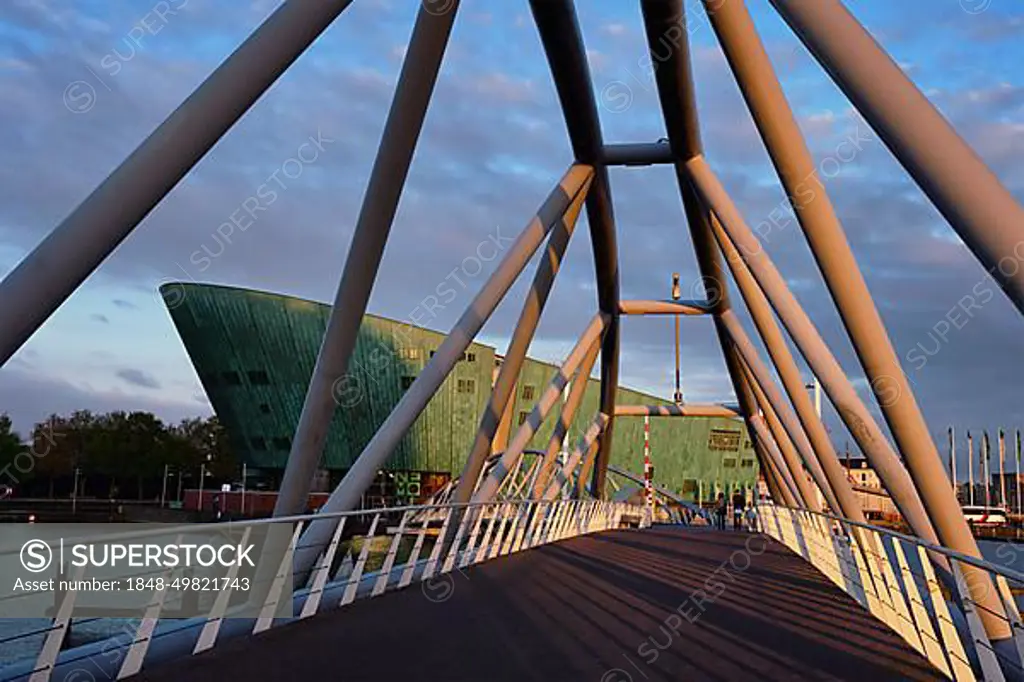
(207, 442)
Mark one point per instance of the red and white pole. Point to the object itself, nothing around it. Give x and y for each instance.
(648, 489)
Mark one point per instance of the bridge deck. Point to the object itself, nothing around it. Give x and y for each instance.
(593, 608)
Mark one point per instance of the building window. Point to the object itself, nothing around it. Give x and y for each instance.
(232, 378)
(528, 392)
(523, 416)
(729, 463)
(724, 440)
(471, 357)
(746, 445)
(282, 443)
(466, 386)
(258, 378)
(432, 353)
(747, 463)
(407, 382)
(258, 444)
(264, 408)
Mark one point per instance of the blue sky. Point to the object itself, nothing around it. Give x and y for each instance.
(79, 93)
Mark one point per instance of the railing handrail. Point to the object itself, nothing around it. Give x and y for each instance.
(952, 553)
(227, 525)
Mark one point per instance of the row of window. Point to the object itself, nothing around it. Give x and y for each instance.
(466, 357)
(232, 378)
(261, 378)
(280, 443)
(730, 463)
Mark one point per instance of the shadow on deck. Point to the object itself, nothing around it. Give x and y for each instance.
(597, 608)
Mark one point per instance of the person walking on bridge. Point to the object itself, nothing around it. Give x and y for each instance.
(738, 502)
(721, 509)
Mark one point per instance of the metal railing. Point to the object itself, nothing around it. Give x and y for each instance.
(898, 579)
(371, 551)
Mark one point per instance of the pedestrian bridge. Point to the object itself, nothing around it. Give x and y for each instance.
(567, 589)
(545, 578)
(662, 603)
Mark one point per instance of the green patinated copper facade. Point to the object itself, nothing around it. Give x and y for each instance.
(254, 353)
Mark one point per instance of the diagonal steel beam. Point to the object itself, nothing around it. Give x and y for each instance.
(597, 425)
(785, 365)
(572, 402)
(967, 193)
(767, 392)
(591, 335)
(362, 472)
(563, 45)
(730, 227)
(785, 440)
(784, 478)
(394, 156)
(504, 387)
(48, 275)
(984, 213)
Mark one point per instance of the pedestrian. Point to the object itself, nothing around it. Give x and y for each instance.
(738, 502)
(751, 517)
(720, 511)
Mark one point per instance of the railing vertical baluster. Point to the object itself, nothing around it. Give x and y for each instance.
(931, 647)
(410, 565)
(471, 547)
(211, 627)
(389, 560)
(357, 571)
(55, 637)
(453, 551)
(284, 571)
(510, 536)
(500, 531)
(952, 645)
(322, 572)
(485, 544)
(136, 653)
(531, 532)
(435, 552)
(990, 668)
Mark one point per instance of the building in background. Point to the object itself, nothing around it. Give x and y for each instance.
(254, 353)
(867, 486)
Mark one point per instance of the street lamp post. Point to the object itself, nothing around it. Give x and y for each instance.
(675, 297)
(163, 490)
(74, 493)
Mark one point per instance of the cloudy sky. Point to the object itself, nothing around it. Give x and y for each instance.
(84, 82)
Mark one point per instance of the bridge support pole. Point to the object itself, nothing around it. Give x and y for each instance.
(390, 169)
(48, 275)
(784, 478)
(576, 392)
(567, 59)
(784, 438)
(848, 505)
(980, 208)
(967, 193)
(597, 425)
(666, 20)
(362, 472)
(776, 407)
(591, 337)
(584, 475)
(522, 335)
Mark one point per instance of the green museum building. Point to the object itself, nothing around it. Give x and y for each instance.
(254, 353)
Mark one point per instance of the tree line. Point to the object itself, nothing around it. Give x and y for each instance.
(116, 454)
